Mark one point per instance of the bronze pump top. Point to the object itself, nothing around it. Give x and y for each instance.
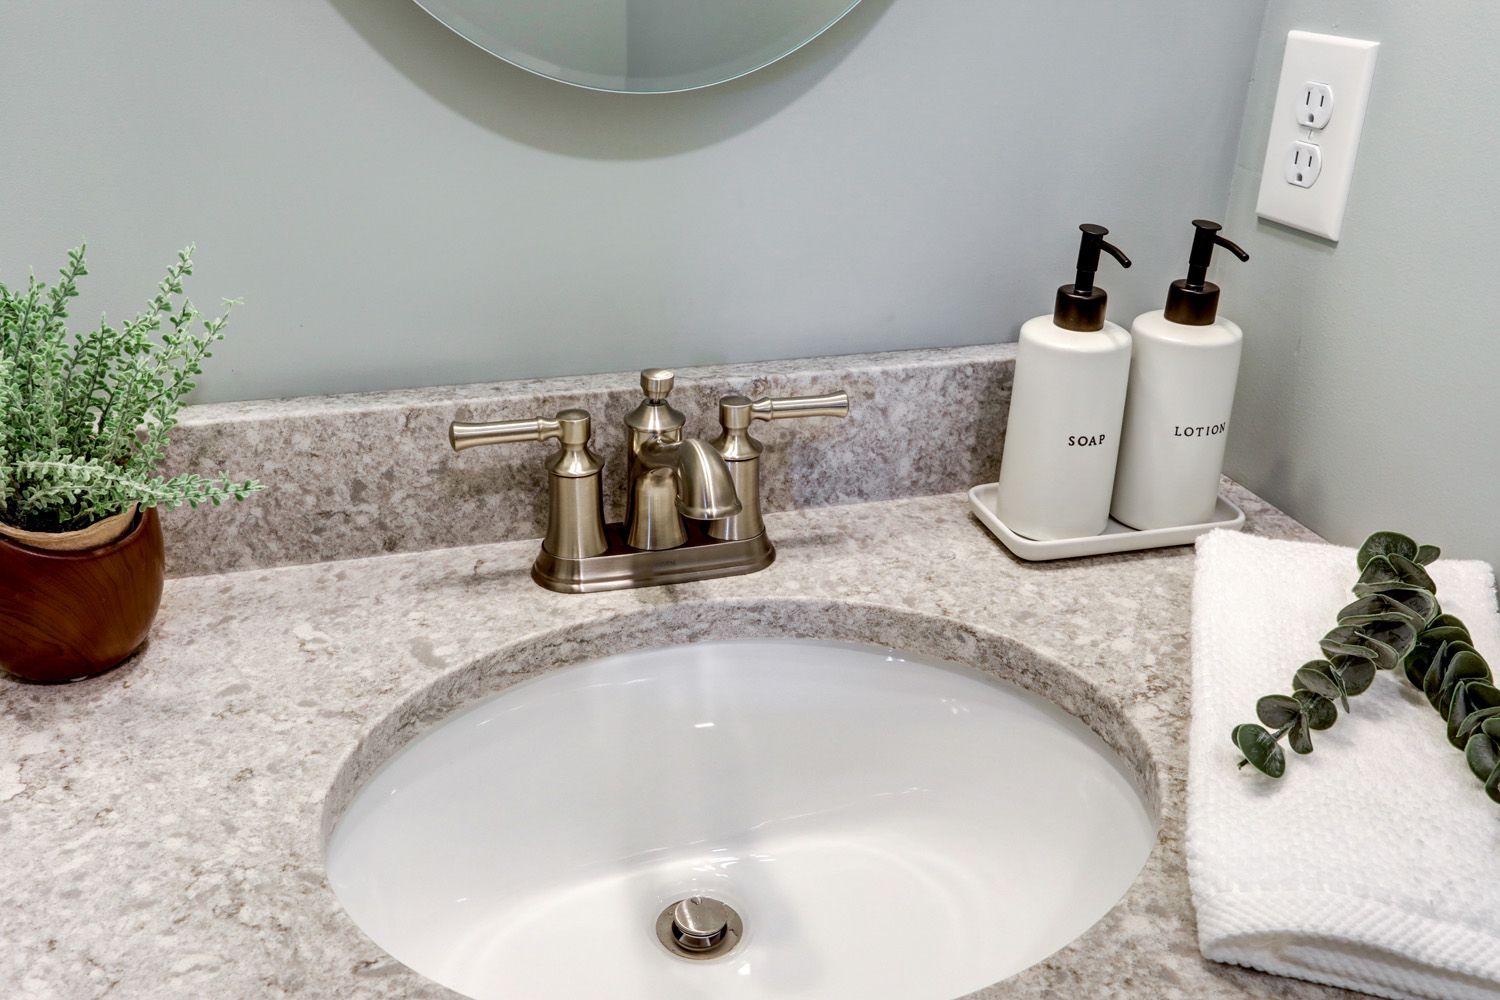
(1194, 300)
(1080, 306)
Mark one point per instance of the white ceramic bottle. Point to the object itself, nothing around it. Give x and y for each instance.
(1185, 361)
(1067, 401)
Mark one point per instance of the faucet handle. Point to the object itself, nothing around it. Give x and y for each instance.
(575, 505)
(835, 404)
(736, 412)
(571, 427)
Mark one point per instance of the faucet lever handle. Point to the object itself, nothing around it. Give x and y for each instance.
(736, 412)
(569, 427)
(835, 404)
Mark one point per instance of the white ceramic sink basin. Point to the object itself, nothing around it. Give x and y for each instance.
(887, 828)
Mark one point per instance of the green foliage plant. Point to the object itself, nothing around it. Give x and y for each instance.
(84, 420)
(1395, 623)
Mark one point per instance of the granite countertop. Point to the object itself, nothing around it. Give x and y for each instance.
(162, 826)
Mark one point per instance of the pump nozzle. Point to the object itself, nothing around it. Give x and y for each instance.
(1088, 256)
(1194, 300)
(1080, 306)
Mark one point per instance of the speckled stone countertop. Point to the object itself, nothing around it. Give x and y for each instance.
(161, 827)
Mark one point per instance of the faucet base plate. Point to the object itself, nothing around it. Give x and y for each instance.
(621, 567)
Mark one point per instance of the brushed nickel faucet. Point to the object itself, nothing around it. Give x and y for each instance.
(692, 507)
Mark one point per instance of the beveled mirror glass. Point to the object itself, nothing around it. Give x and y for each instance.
(639, 46)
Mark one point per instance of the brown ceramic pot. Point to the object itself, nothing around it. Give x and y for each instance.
(66, 615)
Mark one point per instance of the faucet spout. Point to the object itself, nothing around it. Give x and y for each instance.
(705, 490)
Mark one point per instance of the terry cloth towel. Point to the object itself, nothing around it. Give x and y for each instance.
(1373, 863)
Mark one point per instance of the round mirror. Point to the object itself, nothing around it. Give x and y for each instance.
(639, 46)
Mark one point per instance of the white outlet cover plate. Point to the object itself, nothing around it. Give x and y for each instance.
(1347, 65)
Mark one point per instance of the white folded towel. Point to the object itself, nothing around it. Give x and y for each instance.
(1374, 863)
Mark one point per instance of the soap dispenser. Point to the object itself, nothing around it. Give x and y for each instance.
(1185, 361)
(1067, 401)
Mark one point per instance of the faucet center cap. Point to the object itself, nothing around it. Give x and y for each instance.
(657, 382)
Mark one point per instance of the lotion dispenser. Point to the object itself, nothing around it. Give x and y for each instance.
(1067, 401)
(1185, 362)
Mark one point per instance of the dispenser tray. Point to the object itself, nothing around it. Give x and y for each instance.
(1115, 537)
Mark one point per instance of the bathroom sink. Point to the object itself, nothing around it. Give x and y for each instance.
(876, 826)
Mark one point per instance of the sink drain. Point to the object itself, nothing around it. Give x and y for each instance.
(699, 927)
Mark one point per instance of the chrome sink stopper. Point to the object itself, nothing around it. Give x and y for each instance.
(699, 927)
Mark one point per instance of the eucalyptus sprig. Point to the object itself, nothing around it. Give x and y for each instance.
(84, 420)
(1395, 622)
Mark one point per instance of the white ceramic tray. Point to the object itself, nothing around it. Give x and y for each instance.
(1115, 538)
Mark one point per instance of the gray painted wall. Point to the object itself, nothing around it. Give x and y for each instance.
(1367, 395)
(399, 209)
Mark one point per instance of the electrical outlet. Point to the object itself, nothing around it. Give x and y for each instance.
(1310, 153)
(1316, 106)
(1304, 162)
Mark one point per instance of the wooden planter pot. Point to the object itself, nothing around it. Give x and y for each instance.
(67, 615)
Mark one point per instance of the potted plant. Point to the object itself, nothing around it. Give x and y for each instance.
(83, 424)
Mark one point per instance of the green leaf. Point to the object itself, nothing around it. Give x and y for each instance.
(1298, 738)
(1391, 641)
(1376, 576)
(1491, 728)
(1260, 750)
(1476, 719)
(1356, 675)
(1492, 786)
(1445, 654)
(1481, 755)
(1483, 694)
(1345, 641)
(1419, 659)
(1384, 543)
(1317, 676)
(1468, 697)
(1318, 711)
(1412, 572)
(1465, 666)
(1379, 608)
(1432, 686)
(1427, 554)
(1420, 602)
(1276, 710)
(1466, 708)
